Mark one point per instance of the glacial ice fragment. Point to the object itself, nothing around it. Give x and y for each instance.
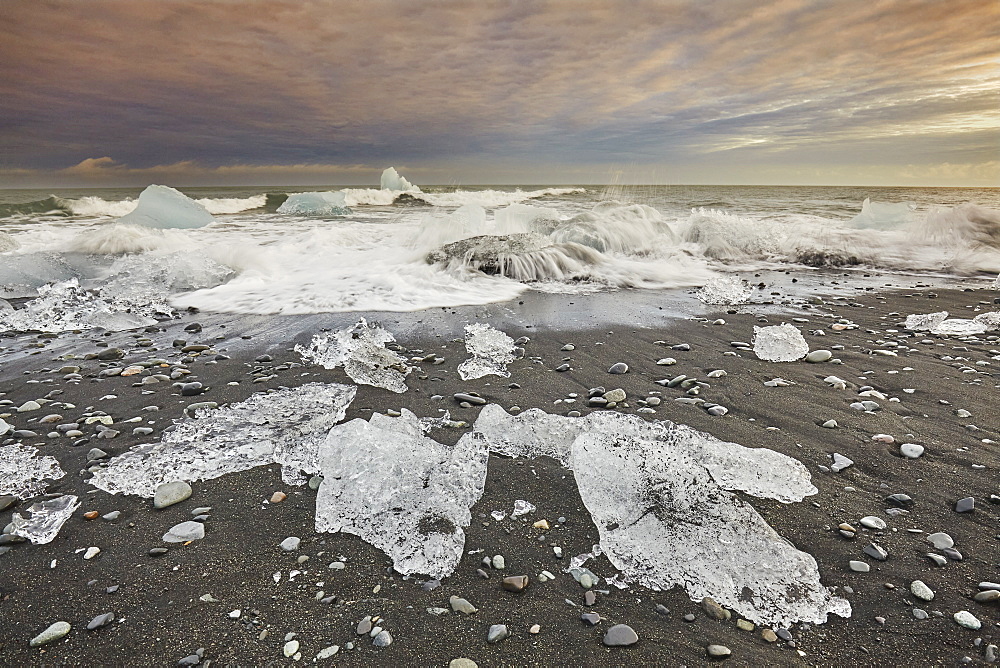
(361, 350)
(661, 497)
(779, 343)
(22, 470)
(990, 320)
(959, 327)
(401, 491)
(316, 204)
(725, 290)
(7, 243)
(163, 207)
(47, 517)
(284, 427)
(491, 351)
(66, 306)
(391, 180)
(920, 323)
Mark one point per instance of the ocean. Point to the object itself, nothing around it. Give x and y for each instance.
(274, 250)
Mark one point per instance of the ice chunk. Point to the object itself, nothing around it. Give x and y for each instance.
(522, 507)
(491, 351)
(163, 207)
(22, 470)
(779, 343)
(361, 350)
(47, 517)
(401, 491)
(660, 495)
(316, 204)
(391, 180)
(66, 306)
(959, 327)
(725, 290)
(286, 427)
(920, 323)
(7, 243)
(882, 215)
(990, 320)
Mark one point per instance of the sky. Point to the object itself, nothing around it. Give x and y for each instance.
(858, 92)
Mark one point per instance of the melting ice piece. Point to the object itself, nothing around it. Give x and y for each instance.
(990, 320)
(959, 327)
(47, 517)
(391, 180)
(661, 497)
(920, 323)
(491, 351)
(163, 207)
(361, 350)
(22, 470)
(725, 290)
(522, 507)
(779, 343)
(7, 243)
(65, 306)
(316, 204)
(401, 491)
(286, 427)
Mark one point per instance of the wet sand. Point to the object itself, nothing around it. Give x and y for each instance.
(161, 619)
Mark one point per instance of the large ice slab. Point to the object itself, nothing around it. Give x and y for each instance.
(661, 497)
(729, 290)
(47, 518)
(491, 351)
(316, 204)
(163, 207)
(401, 491)
(779, 343)
(391, 180)
(66, 306)
(361, 350)
(23, 471)
(284, 427)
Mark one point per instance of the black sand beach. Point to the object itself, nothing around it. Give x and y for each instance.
(160, 607)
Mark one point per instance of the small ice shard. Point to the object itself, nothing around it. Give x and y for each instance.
(522, 507)
(401, 491)
(361, 350)
(316, 204)
(661, 497)
(47, 517)
(725, 290)
(779, 343)
(959, 327)
(990, 320)
(22, 471)
(391, 180)
(163, 207)
(920, 323)
(491, 351)
(284, 427)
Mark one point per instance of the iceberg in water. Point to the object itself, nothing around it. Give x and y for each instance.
(402, 492)
(661, 495)
(163, 207)
(779, 343)
(882, 216)
(391, 180)
(491, 351)
(316, 204)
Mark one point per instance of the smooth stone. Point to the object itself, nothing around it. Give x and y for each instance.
(515, 582)
(6, 501)
(28, 406)
(470, 398)
(966, 619)
(940, 540)
(618, 368)
(911, 450)
(620, 635)
(966, 505)
(101, 620)
(876, 551)
(937, 559)
(291, 648)
(91, 553)
(714, 610)
(858, 566)
(921, 590)
(920, 614)
(51, 634)
(768, 635)
(290, 544)
(952, 553)
(872, 522)
(818, 356)
(170, 493)
(988, 596)
(617, 395)
(382, 639)
(591, 618)
(462, 662)
(185, 531)
(590, 598)
(900, 500)
(830, 424)
(718, 651)
(840, 462)
(497, 633)
(461, 605)
(365, 626)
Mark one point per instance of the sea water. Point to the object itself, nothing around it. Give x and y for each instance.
(395, 250)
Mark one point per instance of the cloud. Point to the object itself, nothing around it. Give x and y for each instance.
(558, 83)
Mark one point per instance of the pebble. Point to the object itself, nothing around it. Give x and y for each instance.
(714, 610)
(617, 395)
(290, 648)
(967, 620)
(840, 462)
(462, 662)
(91, 553)
(499, 562)
(515, 582)
(591, 618)
(51, 634)
(278, 497)
(872, 522)
(461, 605)
(620, 635)
(830, 424)
(859, 566)
(876, 551)
(940, 540)
(988, 596)
(966, 505)
(618, 368)
(666, 361)
(101, 620)
(911, 450)
(473, 399)
(818, 356)
(291, 544)
(919, 613)
(28, 406)
(718, 651)
(185, 531)
(921, 590)
(497, 633)
(382, 639)
(768, 635)
(170, 493)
